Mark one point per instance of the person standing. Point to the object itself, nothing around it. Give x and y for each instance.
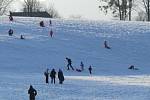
(69, 63)
(46, 76)
(10, 16)
(51, 33)
(90, 69)
(60, 76)
(50, 22)
(82, 66)
(32, 93)
(53, 76)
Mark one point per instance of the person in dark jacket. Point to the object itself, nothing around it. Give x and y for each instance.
(133, 67)
(60, 76)
(42, 24)
(90, 69)
(46, 76)
(51, 33)
(10, 16)
(32, 92)
(106, 45)
(53, 76)
(82, 66)
(22, 37)
(50, 22)
(69, 63)
(10, 32)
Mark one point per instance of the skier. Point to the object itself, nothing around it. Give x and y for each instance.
(32, 92)
(10, 32)
(46, 76)
(60, 76)
(51, 33)
(42, 24)
(90, 69)
(69, 63)
(82, 66)
(53, 75)
(106, 45)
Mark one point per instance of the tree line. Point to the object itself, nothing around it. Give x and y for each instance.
(125, 9)
(29, 6)
(121, 9)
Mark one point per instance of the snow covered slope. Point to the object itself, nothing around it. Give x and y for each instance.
(22, 62)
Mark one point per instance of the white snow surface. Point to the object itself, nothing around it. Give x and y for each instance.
(23, 62)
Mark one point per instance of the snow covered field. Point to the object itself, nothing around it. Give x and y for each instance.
(22, 62)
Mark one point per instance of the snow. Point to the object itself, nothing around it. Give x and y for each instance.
(22, 62)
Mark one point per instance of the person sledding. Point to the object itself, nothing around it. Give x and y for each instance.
(69, 63)
(106, 45)
(10, 32)
(42, 24)
(10, 16)
(132, 67)
(22, 37)
(82, 67)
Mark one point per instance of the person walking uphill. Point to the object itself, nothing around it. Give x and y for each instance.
(69, 63)
(53, 76)
(60, 76)
(32, 92)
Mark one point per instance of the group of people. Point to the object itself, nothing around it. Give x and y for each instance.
(69, 65)
(50, 24)
(52, 75)
(11, 32)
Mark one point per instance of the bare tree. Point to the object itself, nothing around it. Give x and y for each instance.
(52, 11)
(147, 8)
(4, 5)
(142, 16)
(119, 8)
(31, 6)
